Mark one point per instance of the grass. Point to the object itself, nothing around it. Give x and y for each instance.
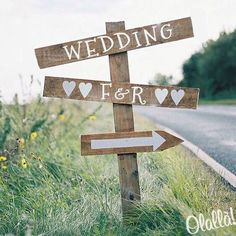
(48, 188)
(218, 101)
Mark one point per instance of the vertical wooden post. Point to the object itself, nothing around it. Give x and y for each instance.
(123, 119)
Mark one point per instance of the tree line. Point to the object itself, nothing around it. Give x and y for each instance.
(213, 68)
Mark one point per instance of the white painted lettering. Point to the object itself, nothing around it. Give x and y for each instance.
(168, 30)
(123, 45)
(201, 221)
(119, 94)
(227, 219)
(103, 91)
(232, 216)
(214, 219)
(137, 91)
(219, 219)
(72, 50)
(208, 224)
(105, 48)
(136, 38)
(89, 50)
(148, 35)
(194, 229)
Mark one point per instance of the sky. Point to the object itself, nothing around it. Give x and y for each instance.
(29, 24)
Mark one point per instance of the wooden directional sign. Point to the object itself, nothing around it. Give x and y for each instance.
(115, 42)
(127, 142)
(122, 93)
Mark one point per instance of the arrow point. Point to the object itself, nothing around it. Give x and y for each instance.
(157, 140)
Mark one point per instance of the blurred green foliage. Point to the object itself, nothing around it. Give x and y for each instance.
(213, 69)
(4, 132)
(160, 79)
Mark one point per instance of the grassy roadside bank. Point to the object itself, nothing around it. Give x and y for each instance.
(47, 188)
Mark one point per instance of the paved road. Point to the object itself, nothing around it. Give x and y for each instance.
(212, 128)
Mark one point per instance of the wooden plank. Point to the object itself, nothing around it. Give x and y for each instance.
(124, 122)
(122, 93)
(114, 42)
(127, 142)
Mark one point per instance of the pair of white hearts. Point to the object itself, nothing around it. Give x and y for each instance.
(175, 95)
(69, 87)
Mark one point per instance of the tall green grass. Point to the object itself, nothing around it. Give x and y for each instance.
(56, 191)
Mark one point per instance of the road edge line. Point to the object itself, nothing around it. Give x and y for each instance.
(217, 167)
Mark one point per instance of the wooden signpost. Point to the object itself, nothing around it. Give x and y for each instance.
(125, 142)
(117, 41)
(123, 93)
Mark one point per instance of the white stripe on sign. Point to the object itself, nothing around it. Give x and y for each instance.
(156, 141)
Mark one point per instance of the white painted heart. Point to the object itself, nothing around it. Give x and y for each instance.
(85, 88)
(161, 94)
(177, 96)
(68, 87)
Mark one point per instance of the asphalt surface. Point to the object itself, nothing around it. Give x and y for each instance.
(212, 128)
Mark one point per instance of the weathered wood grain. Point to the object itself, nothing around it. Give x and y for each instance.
(124, 122)
(53, 87)
(98, 46)
(86, 148)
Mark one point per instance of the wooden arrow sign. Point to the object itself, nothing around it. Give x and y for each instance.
(121, 93)
(113, 43)
(127, 142)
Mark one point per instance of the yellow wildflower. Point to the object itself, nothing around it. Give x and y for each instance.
(23, 163)
(2, 158)
(33, 136)
(62, 117)
(21, 142)
(4, 167)
(93, 117)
